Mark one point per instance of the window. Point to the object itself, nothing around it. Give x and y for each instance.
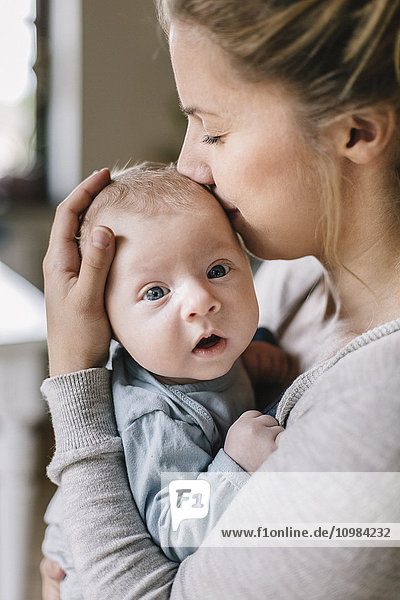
(22, 67)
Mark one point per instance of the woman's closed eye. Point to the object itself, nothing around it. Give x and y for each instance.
(156, 293)
(211, 139)
(218, 271)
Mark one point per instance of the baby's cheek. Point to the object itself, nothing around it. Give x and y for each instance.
(253, 314)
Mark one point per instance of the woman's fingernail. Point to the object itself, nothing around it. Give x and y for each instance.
(101, 238)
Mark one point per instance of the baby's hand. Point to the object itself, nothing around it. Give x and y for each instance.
(265, 363)
(252, 438)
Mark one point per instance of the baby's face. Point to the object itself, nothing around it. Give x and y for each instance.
(180, 294)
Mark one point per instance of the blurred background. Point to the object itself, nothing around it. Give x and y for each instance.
(83, 84)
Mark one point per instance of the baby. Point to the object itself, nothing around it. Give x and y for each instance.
(182, 308)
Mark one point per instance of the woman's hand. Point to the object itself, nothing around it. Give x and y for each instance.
(78, 331)
(51, 574)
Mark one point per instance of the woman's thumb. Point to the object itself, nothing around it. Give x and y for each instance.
(96, 262)
(101, 237)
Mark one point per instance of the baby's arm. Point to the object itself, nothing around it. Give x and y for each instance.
(252, 438)
(155, 445)
(264, 361)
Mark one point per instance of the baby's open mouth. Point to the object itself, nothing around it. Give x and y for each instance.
(208, 342)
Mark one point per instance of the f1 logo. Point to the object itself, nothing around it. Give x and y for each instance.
(189, 499)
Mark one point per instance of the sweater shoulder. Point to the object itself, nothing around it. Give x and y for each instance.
(364, 376)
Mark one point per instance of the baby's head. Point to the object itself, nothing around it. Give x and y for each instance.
(180, 294)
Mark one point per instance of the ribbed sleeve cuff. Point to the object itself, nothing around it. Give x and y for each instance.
(81, 408)
(223, 463)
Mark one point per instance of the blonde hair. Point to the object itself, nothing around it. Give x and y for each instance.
(336, 56)
(144, 189)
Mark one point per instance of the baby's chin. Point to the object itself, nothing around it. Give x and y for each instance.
(196, 376)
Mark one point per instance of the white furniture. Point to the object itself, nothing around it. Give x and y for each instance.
(22, 367)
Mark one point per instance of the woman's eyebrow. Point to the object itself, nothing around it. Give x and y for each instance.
(192, 110)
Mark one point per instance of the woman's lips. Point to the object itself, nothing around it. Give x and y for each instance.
(231, 210)
(226, 204)
(233, 214)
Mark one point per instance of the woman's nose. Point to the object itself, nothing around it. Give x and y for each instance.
(192, 160)
(199, 302)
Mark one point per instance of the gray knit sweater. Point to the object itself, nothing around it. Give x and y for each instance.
(341, 416)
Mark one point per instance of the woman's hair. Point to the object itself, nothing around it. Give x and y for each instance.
(143, 189)
(336, 56)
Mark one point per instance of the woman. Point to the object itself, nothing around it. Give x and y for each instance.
(293, 120)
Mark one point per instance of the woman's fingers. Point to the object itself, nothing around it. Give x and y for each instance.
(51, 574)
(78, 330)
(62, 253)
(96, 262)
(80, 198)
(51, 569)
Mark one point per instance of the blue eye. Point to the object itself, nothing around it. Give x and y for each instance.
(218, 271)
(156, 293)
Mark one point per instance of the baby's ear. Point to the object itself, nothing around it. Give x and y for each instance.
(363, 137)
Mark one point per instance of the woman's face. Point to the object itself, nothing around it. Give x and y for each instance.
(244, 141)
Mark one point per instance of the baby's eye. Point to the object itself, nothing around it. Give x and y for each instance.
(218, 271)
(156, 293)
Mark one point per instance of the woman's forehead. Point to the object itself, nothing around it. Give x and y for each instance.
(207, 83)
(193, 52)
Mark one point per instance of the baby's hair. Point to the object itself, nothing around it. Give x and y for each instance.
(144, 189)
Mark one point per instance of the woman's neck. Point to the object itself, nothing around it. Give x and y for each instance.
(366, 286)
(369, 296)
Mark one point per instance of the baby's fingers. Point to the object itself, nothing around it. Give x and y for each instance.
(249, 414)
(275, 431)
(267, 420)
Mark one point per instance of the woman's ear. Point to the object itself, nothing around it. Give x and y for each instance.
(363, 137)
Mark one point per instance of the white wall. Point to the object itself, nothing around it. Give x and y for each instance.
(113, 97)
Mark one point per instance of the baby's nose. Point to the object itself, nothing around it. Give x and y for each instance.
(199, 302)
